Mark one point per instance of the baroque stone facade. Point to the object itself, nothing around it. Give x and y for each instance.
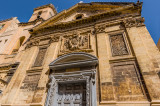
(93, 54)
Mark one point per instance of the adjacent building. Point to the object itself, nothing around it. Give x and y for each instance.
(92, 54)
(158, 44)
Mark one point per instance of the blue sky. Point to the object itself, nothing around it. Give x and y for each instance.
(23, 9)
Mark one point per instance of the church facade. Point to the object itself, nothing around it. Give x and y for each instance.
(92, 54)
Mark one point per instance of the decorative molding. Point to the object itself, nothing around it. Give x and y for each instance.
(134, 22)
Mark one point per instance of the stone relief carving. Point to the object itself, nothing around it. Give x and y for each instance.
(134, 22)
(118, 45)
(75, 42)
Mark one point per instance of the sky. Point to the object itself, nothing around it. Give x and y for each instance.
(23, 9)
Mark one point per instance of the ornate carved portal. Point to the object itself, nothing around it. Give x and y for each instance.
(72, 88)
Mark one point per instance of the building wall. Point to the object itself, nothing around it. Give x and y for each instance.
(158, 44)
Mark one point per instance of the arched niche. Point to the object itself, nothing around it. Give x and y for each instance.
(77, 70)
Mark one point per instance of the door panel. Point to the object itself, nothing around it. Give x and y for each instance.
(72, 94)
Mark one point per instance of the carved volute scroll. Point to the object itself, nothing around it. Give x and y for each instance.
(118, 45)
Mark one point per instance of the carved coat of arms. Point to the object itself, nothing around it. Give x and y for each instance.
(75, 43)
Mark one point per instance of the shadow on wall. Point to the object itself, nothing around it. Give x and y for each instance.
(18, 44)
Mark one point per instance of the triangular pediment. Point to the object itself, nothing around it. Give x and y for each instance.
(87, 10)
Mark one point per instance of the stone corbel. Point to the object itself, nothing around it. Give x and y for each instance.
(134, 22)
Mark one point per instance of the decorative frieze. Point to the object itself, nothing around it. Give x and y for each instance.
(134, 22)
(118, 45)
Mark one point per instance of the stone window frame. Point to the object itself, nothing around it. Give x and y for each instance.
(126, 41)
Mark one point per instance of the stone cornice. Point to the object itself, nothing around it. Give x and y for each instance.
(31, 23)
(92, 19)
(7, 66)
(8, 19)
(89, 7)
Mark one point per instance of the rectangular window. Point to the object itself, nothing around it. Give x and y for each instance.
(118, 45)
(40, 57)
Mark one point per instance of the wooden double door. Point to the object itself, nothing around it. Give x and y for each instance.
(71, 94)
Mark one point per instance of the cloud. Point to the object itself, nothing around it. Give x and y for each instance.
(81, 2)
